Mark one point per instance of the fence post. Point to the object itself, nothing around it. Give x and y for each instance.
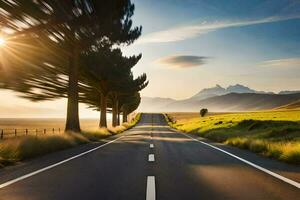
(58, 130)
(44, 131)
(15, 132)
(53, 130)
(26, 131)
(2, 134)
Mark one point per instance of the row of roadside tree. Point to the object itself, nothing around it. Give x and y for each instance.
(72, 49)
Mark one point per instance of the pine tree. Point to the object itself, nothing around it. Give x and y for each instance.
(106, 76)
(128, 104)
(71, 27)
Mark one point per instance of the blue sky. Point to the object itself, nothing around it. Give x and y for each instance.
(240, 39)
(188, 45)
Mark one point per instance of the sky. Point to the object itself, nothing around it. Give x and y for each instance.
(188, 45)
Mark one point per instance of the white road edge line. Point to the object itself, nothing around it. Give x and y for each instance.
(150, 191)
(151, 146)
(151, 158)
(289, 181)
(54, 165)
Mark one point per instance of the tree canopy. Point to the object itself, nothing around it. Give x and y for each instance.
(107, 78)
(50, 43)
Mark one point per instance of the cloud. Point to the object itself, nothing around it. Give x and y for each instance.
(286, 63)
(191, 31)
(182, 61)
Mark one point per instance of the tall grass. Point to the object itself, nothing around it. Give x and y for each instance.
(20, 148)
(274, 134)
(285, 151)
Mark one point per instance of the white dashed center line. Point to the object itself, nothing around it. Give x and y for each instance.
(150, 193)
(151, 158)
(151, 146)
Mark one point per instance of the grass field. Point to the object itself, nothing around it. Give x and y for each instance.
(34, 123)
(273, 134)
(34, 126)
(20, 148)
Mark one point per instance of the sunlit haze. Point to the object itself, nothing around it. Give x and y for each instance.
(195, 44)
(2, 41)
(149, 99)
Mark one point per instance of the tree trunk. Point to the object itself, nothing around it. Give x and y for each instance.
(118, 114)
(72, 121)
(114, 113)
(103, 119)
(124, 116)
(118, 118)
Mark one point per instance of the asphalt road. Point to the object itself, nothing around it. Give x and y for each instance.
(151, 161)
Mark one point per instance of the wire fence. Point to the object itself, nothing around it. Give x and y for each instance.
(9, 133)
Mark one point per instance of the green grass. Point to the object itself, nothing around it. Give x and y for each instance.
(20, 148)
(274, 134)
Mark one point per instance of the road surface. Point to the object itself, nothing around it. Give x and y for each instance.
(150, 161)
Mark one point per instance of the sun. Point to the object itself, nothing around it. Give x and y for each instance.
(2, 41)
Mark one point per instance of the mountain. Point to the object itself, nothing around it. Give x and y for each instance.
(209, 92)
(235, 102)
(153, 104)
(218, 99)
(218, 90)
(239, 89)
(289, 92)
(293, 105)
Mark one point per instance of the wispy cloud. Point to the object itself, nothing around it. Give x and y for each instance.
(285, 63)
(191, 31)
(182, 61)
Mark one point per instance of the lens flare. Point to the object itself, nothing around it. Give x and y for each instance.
(2, 41)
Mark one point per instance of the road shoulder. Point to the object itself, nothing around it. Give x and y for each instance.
(284, 169)
(30, 165)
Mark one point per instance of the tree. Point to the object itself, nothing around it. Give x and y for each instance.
(101, 74)
(126, 87)
(106, 77)
(128, 104)
(75, 26)
(97, 73)
(203, 112)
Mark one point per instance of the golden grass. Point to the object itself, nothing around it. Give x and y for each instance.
(96, 134)
(29, 123)
(274, 134)
(19, 148)
(189, 115)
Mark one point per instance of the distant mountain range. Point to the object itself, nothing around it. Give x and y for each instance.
(154, 104)
(289, 92)
(218, 99)
(218, 91)
(293, 105)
